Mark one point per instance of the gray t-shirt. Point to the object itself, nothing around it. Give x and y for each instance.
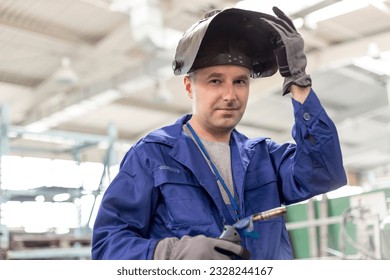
(219, 153)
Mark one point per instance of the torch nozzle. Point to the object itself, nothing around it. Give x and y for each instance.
(275, 212)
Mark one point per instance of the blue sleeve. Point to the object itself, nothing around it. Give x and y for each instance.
(314, 164)
(121, 227)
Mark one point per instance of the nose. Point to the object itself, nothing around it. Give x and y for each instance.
(229, 93)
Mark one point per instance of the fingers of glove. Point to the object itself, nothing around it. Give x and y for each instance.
(278, 29)
(243, 255)
(199, 247)
(288, 46)
(280, 49)
(229, 248)
(280, 14)
(277, 21)
(281, 39)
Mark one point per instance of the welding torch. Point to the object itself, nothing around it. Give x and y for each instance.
(231, 232)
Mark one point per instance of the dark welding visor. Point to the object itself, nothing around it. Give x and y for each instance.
(231, 36)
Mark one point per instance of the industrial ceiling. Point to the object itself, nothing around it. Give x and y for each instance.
(71, 70)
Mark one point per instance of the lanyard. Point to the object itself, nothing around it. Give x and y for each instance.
(233, 201)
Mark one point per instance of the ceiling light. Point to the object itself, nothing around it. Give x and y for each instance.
(379, 64)
(374, 51)
(65, 75)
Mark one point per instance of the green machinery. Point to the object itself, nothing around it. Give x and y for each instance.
(353, 227)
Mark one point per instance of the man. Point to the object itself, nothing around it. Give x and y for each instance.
(179, 186)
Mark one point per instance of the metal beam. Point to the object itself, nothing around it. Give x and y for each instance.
(344, 54)
(19, 79)
(41, 27)
(320, 5)
(50, 253)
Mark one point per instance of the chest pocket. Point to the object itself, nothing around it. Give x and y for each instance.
(187, 202)
(261, 192)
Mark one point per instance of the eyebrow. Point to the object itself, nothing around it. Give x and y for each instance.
(214, 75)
(219, 75)
(242, 77)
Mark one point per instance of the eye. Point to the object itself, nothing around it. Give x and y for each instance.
(241, 82)
(215, 81)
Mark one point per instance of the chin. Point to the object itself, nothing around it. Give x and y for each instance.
(228, 124)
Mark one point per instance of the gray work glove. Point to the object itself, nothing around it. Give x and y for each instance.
(288, 50)
(199, 247)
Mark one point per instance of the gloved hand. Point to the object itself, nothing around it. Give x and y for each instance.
(199, 247)
(288, 50)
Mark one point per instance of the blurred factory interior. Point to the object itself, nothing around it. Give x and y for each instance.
(83, 80)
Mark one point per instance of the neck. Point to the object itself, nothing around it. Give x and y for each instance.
(213, 136)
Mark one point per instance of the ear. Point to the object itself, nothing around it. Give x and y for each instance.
(188, 86)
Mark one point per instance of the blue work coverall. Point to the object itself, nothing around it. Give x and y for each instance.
(165, 188)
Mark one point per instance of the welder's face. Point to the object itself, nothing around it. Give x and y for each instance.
(219, 96)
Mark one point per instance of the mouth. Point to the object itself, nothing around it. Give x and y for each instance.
(227, 109)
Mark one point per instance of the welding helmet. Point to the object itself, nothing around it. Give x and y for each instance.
(231, 36)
